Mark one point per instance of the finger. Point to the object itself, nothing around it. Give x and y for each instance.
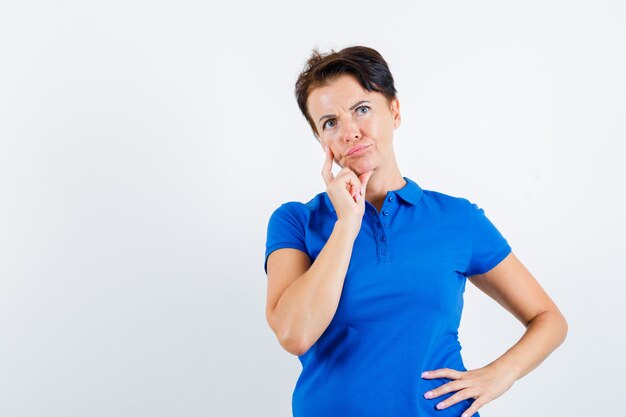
(445, 388)
(350, 179)
(473, 409)
(450, 401)
(360, 194)
(364, 179)
(353, 185)
(442, 373)
(327, 172)
(354, 192)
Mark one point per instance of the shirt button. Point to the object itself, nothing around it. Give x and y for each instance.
(384, 251)
(382, 238)
(390, 198)
(385, 212)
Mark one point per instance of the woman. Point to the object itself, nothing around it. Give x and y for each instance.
(366, 280)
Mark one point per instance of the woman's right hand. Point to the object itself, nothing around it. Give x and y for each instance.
(346, 192)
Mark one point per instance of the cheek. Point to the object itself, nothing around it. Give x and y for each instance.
(370, 125)
(331, 137)
(378, 128)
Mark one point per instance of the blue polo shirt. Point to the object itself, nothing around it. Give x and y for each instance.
(401, 302)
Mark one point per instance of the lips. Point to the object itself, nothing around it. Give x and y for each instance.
(356, 149)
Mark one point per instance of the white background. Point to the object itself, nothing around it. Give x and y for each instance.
(144, 145)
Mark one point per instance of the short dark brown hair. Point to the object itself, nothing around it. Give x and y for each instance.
(365, 64)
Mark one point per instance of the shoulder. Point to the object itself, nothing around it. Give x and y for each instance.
(300, 210)
(446, 203)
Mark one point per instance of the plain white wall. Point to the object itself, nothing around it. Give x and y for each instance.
(143, 146)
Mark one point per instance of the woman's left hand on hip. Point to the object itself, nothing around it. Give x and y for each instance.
(483, 384)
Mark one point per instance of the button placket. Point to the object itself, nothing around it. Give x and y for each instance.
(385, 213)
(378, 230)
(383, 248)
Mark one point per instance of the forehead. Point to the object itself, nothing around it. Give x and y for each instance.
(340, 92)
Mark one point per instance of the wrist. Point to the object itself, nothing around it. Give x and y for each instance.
(350, 227)
(506, 368)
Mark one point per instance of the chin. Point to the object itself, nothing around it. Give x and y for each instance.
(362, 168)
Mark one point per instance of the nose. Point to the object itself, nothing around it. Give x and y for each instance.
(351, 130)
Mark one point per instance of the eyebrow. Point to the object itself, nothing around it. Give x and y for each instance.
(326, 116)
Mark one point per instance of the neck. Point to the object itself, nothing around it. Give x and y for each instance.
(385, 178)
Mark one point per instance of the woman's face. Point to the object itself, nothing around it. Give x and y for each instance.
(347, 117)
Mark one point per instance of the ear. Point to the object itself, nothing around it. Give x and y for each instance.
(395, 112)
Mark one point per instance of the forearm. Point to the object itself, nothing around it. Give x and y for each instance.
(307, 307)
(542, 336)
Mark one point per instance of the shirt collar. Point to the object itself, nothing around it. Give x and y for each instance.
(411, 192)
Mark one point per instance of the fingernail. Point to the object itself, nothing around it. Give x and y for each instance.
(428, 394)
(441, 405)
(424, 374)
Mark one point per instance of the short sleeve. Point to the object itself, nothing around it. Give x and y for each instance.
(487, 245)
(286, 229)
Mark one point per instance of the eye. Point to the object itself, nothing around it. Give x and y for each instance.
(362, 109)
(328, 121)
